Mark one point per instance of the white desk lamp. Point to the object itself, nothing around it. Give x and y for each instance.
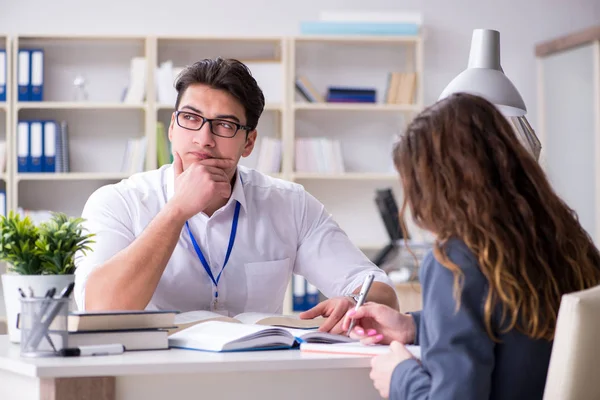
(484, 77)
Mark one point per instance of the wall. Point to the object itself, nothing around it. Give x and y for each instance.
(448, 25)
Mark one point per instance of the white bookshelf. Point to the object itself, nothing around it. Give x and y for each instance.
(410, 108)
(358, 39)
(5, 121)
(99, 127)
(78, 105)
(348, 176)
(72, 176)
(366, 131)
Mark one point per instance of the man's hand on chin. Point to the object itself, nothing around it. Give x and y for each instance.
(334, 310)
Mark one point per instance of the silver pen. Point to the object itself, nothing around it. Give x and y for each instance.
(362, 296)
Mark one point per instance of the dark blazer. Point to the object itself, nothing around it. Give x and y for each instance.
(458, 358)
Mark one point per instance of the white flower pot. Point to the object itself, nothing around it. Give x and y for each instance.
(40, 284)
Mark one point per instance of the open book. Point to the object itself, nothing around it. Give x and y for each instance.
(191, 318)
(355, 348)
(228, 336)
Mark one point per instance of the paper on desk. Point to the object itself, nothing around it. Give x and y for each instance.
(356, 348)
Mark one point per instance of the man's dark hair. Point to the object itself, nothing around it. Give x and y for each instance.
(229, 75)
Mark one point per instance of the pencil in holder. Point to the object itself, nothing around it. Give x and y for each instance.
(44, 326)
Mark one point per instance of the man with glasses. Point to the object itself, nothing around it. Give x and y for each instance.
(208, 234)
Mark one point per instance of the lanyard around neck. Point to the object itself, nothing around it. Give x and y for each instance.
(234, 224)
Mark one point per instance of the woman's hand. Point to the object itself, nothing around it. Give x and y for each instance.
(382, 367)
(378, 323)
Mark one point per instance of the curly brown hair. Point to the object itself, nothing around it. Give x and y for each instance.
(465, 175)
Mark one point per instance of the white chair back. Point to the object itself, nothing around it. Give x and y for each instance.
(574, 371)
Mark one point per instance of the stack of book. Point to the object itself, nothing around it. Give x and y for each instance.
(364, 22)
(42, 146)
(401, 88)
(135, 330)
(164, 154)
(351, 95)
(135, 155)
(320, 155)
(308, 92)
(269, 155)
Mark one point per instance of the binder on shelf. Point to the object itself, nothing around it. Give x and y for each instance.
(62, 147)
(136, 91)
(36, 141)
(163, 151)
(3, 77)
(3, 154)
(50, 144)
(23, 146)
(299, 293)
(3, 203)
(37, 75)
(23, 75)
(312, 296)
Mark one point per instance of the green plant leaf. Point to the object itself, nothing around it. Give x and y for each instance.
(49, 248)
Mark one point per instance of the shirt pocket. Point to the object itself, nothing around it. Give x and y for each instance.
(266, 283)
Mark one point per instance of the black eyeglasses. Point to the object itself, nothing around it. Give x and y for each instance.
(219, 127)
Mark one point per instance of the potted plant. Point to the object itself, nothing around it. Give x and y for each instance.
(38, 258)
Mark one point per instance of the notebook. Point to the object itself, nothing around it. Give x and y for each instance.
(222, 336)
(355, 348)
(152, 339)
(191, 318)
(97, 321)
(119, 320)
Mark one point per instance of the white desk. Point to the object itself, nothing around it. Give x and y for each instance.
(185, 374)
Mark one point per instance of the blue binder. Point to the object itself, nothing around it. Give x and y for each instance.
(23, 147)
(3, 76)
(36, 145)
(23, 75)
(36, 65)
(50, 146)
(299, 293)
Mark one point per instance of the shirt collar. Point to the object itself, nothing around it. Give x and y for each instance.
(237, 193)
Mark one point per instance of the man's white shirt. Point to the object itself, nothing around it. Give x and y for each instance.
(281, 230)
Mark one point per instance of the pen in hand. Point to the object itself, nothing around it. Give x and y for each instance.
(364, 290)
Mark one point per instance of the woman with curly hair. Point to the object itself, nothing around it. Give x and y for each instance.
(507, 248)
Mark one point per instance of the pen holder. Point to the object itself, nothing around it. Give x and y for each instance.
(44, 326)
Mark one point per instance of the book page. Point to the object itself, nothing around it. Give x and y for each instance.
(191, 318)
(219, 336)
(290, 321)
(199, 316)
(314, 336)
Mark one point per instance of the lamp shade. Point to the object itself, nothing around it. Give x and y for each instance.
(484, 76)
